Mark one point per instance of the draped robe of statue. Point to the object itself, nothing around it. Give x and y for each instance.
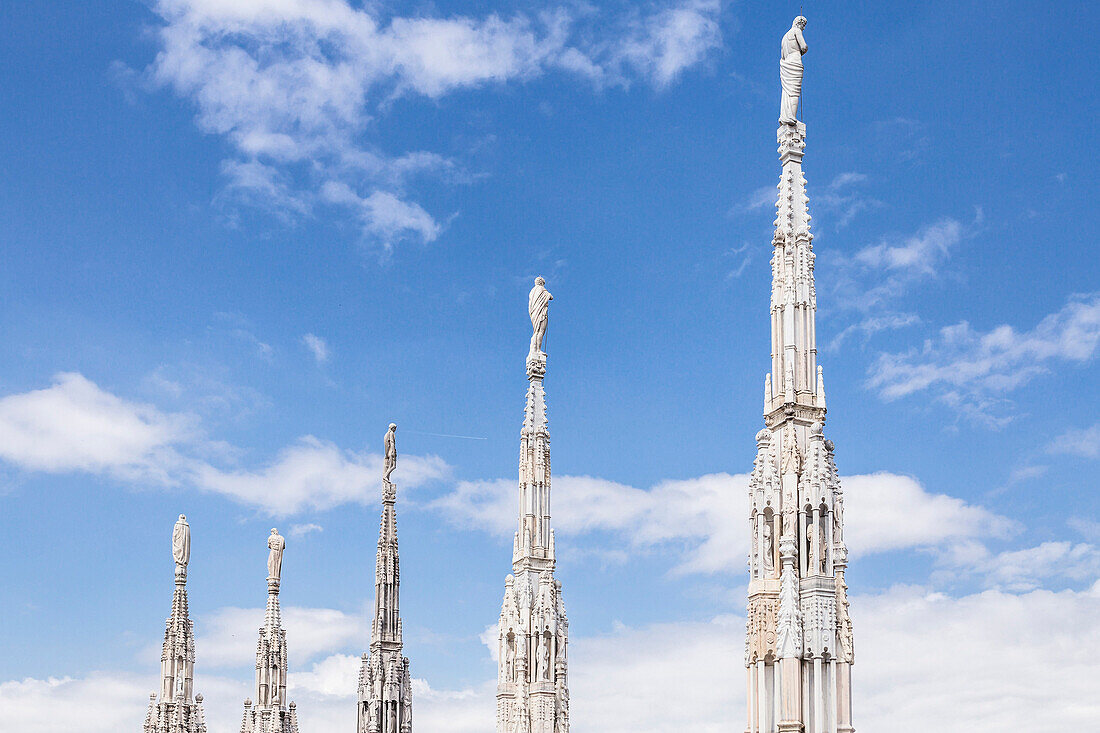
(181, 542)
(538, 306)
(390, 464)
(276, 544)
(790, 71)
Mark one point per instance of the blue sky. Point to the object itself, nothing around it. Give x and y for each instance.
(240, 237)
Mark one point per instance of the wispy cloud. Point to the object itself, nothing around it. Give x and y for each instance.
(301, 530)
(919, 255)
(843, 199)
(294, 86)
(1084, 442)
(758, 200)
(972, 370)
(317, 346)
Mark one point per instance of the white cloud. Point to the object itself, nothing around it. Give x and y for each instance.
(969, 368)
(885, 511)
(920, 253)
(869, 326)
(317, 346)
(383, 214)
(314, 474)
(1084, 442)
(924, 661)
(664, 44)
(293, 85)
(227, 637)
(704, 518)
(759, 199)
(301, 530)
(1026, 568)
(76, 426)
(843, 199)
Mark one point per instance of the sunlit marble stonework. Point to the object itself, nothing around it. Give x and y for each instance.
(385, 684)
(270, 713)
(532, 688)
(178, 710)
(799, 649)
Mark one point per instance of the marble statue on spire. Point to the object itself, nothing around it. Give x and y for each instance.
(391, 452)
(385, 682)
(181, 544)
(538, 306)
(799, 640)
(533, 630)
(268, 712)
(177, 709)
(790, 70)
(276, 544)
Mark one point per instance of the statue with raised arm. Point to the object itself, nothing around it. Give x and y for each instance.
(276, 544)
(790, 70)
(538, 305)
(181, 544)
(391, 452)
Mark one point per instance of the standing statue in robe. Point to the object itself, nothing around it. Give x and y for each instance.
(391, 452)
(276, 544)
(790, 70)
(792, 458)
(769, 549)
(538, 306)
(543, 661)
(181, 544)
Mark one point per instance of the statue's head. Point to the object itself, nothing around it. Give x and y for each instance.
(182, 518)
(274, 531)
(393, 427)
(800, 21)
(539, 280)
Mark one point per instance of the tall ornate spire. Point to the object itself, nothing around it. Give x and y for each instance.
(798, 648)
(532, 684)
(177, 710)
(270, 713)
(385, 686)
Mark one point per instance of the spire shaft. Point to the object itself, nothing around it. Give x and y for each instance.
(532, 685)
(798, 651)
(385, 684)
(178, 710)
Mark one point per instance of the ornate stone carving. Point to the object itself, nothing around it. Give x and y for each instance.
(270, 713)
(532, 690)
(385, 688)
(177, 711)
(761, 623)
(810, 625)
(789, 619)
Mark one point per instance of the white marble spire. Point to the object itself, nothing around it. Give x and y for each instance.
(532, 682)
(178, 710)
(270, 712)
(385, 684)
(798, 648)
